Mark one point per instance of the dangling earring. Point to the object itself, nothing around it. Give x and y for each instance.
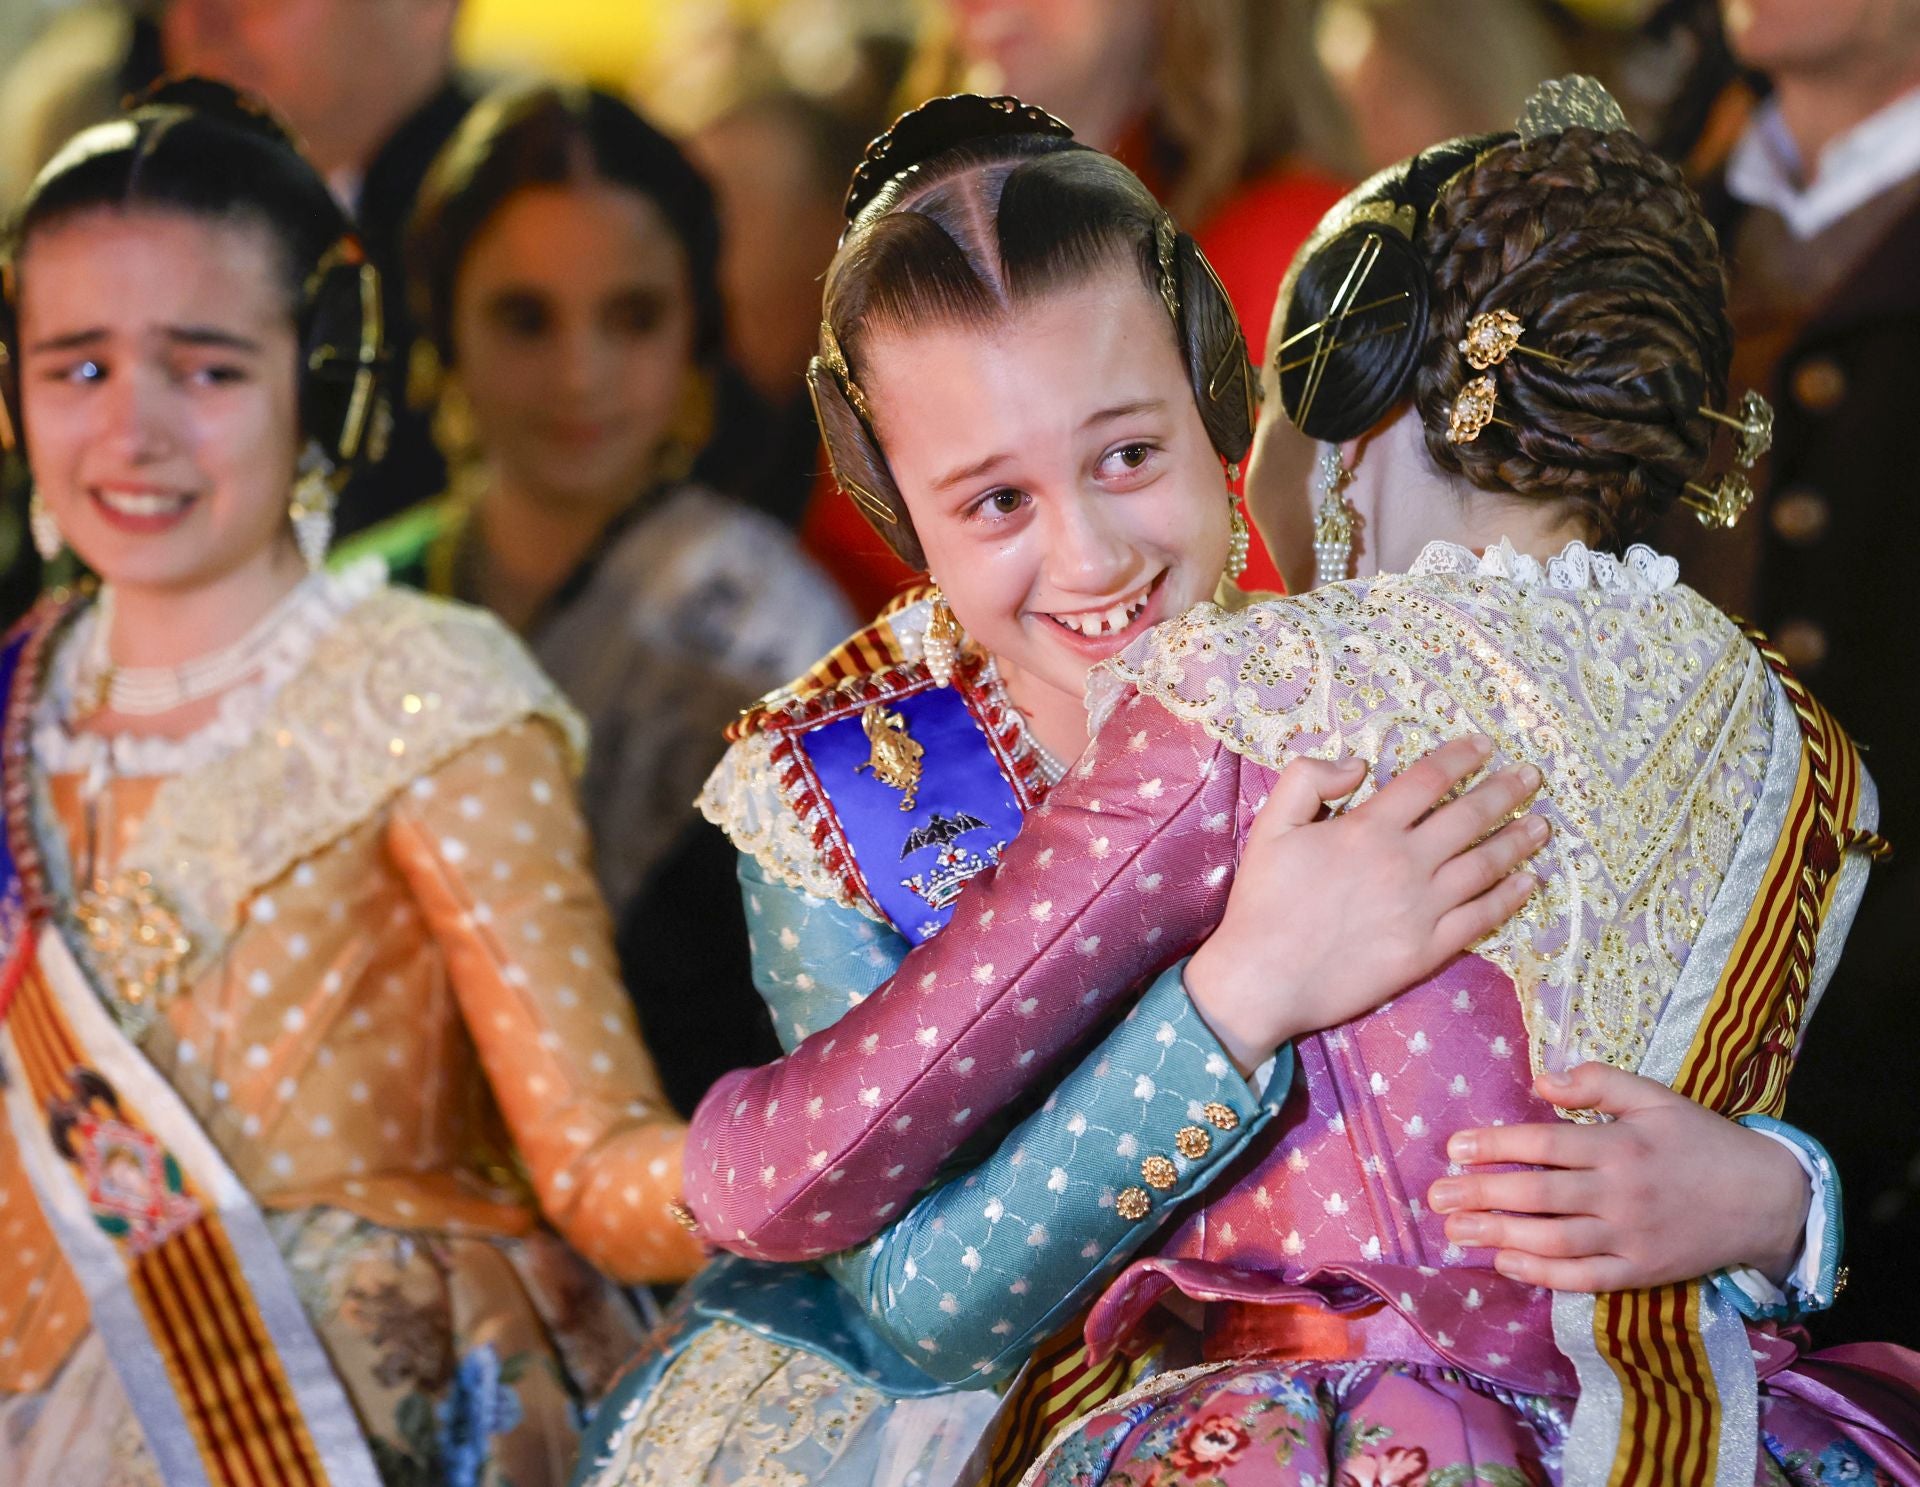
(1335, 522)
(47, 540)
(1239, 539)
(311, 509)
(941, 650)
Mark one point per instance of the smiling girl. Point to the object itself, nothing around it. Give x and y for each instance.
(310, 1016)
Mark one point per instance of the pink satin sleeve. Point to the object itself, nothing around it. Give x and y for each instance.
(1122, 871)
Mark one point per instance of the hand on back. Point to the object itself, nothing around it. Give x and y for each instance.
(1328, 918)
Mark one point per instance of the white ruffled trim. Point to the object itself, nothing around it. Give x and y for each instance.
(61, 750)
(1577, 567)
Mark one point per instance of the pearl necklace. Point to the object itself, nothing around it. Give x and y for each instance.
(147, 691)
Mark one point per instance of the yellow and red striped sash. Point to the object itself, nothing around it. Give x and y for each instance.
(1738, 1063)
(1060, 1384)
(190, 1289)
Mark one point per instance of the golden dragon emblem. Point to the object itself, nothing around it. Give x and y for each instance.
(895, 761)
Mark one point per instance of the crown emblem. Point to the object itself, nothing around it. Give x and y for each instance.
(938, 886)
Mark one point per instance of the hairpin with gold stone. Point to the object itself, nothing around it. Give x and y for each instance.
(1722, 504)
(1492, 336)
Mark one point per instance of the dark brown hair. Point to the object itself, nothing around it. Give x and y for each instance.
(540, 133)
(1602, 251)
(976, 233)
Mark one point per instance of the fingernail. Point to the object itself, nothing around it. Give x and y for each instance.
(1558, 1078)
(1530, 776)
(1445, 1196)
(1536, 828)
(1482, 745)
(1462, 1148)
(1465, 1229)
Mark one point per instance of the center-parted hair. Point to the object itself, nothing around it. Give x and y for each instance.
(1599, 248)
(977, 232)
(555, 134)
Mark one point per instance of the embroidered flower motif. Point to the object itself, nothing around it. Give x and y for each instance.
(1209, 1444)
(480, 1405)
(1397, 1466)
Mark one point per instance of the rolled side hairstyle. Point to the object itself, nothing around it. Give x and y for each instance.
(1600, 252)
(971, 209)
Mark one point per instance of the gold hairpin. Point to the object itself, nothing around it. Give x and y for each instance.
(1234, 358)
(1166, 242)
(1307, 330)
(1473, 410)
(836, 361)
(1494, 335)
(1337, 312)
(1282, 368)
(1722, 504)
(1755, 423)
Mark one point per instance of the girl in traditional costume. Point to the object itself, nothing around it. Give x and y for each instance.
(841, 881)
(310, 1010)
(1711, 832)
(563, 263)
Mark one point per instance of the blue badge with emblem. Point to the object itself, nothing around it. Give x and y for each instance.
(920, 797)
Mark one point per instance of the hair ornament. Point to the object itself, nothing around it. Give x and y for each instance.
(1472, 410)
(1755, 425)
(935, 127)
(1166, 246)
(836, 361)
(1722, 504)
(1494, 335)
(1573, 102)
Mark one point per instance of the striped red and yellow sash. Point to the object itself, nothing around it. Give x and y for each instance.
(189, 1287)
(1061, 1383)
(1738, 1064)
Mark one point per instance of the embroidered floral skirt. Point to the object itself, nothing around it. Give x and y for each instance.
(1393, 1425)
(470, 1362)
(720, 1405)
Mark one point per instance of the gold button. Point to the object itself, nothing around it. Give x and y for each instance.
(683, 1216)
(1220, 1117)
(1133, 1204)
(1192, 1142)
(1800, 516)
(1159, 1172)
(1819, 385)
(1803, 643)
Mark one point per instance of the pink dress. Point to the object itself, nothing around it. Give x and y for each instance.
(1343, 1338)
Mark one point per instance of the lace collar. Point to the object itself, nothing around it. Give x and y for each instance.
(59, 749)
(1641, 571)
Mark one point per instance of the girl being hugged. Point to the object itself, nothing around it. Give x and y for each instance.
(1085, 437)
(310, 1013)
(1519, 344)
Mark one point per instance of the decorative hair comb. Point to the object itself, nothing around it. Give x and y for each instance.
(1723, 503)
(935, 127)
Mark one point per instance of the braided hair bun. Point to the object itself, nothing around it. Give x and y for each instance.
(1602, 252)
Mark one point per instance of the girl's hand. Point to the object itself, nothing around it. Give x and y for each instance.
(1665, 1191)
(1329, 918)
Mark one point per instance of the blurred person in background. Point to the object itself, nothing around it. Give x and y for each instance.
(778, 163)
(1818, 204)
(563, 269)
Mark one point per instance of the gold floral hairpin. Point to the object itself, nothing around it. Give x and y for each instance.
(1722, 504)
(1492, 336)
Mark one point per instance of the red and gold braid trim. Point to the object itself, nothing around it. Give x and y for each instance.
(1738, 1064)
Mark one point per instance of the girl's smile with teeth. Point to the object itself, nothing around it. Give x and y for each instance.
(1098, 624)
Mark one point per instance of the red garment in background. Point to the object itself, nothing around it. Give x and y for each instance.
(1249, 240)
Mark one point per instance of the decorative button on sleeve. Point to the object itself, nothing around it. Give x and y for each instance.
(1159, 1173)
(1133, 1204)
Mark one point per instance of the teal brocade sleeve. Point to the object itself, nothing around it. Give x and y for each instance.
(998, 1255)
